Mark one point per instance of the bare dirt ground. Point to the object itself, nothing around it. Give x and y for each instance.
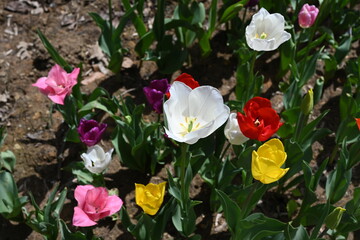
(34, 139)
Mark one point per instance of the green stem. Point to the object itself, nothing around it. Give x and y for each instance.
(300, 125)
(184, 149)
(246, 208)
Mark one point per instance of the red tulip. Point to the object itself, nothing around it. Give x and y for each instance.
(259, 121)
(358, 122)
(188, 80)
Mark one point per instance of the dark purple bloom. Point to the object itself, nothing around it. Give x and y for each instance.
(252, 3)
(155, 92)
(90, 131)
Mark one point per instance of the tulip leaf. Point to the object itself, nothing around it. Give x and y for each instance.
(338, 181)
(307, 68)
(105, 104)
(343, 49)
(10, 204)
(232, 212)
(53, 53)
(298, 233)
(66, 234)
(232, 11)
(173, 188)
(7, 160)
(257, 226)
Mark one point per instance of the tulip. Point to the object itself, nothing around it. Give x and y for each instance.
(154, 93)
(188, 80)
(96, 160)
(232, 131)
(252, 3)
(358, 122)
(267, 161)
(192, 114)
(333, 219)
(307, 103)
(150, 197)
(58, 84)
(260, 120)
(307, 15)
(94, 203)
(91, 131)
(266, 31)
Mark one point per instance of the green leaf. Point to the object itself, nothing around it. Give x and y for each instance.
(158, 27)
(232, 11)
(101, 103)
(232, 212)
(307, 68)
(10, 205)
(257, 227)
(198, 11)
(66, 234)
(298, 233)
(53, 53)
(7, 160)
(137, 21)
(291, 207)
(343, 49)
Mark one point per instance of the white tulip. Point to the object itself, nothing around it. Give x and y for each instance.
(266, 31)
(192, 114)
(96, 160)
(232, 131)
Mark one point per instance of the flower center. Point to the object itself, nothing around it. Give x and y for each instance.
(262, 36)
(257, 122)
(191, 124)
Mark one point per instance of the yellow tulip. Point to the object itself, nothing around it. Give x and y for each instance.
(267, 162)
(150, 197)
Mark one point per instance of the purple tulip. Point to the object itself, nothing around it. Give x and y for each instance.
(307, 15)
(252, 3)
(90, 131)
(155, 92)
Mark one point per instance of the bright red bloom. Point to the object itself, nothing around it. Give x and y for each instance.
(260, 120)
(188, 80)
(358, 122)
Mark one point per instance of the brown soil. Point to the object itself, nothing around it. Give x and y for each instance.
(26, 113)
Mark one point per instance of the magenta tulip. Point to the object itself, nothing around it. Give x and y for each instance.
(307, 15)
(154, 93)
(91, 131)
(58, 84)
(94, 203)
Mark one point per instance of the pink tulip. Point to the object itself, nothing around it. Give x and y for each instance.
(94, 203)
(307, 15)
(58, 84)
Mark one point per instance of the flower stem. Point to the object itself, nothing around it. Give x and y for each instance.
(299, 125)
(184, 149)
(246, 208)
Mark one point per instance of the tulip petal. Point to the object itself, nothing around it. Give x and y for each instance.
(113, 204)
(81, 219)
(80, 194)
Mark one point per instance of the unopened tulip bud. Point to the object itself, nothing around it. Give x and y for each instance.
(307, 103)
(307, 15)
(334, 218)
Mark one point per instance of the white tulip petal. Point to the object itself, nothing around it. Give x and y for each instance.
(193, 114)
(96, 160)
(232, 131)
(266, 31)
